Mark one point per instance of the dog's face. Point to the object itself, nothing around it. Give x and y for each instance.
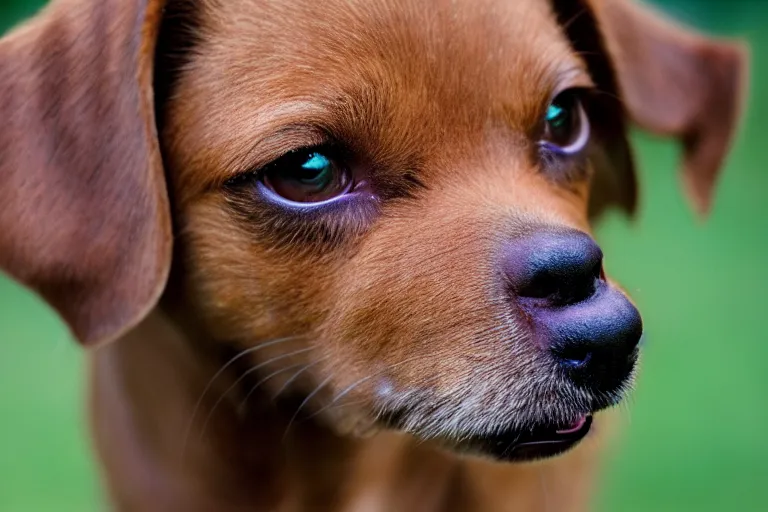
(388, 204)
(404, 189)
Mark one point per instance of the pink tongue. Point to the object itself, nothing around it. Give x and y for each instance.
(575, 427)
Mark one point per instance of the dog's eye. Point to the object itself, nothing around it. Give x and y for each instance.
(307, 176)
(566, 128)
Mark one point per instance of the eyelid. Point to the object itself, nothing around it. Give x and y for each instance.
(576, 77)
(272, 147)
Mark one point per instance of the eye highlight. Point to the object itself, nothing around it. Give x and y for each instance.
(309, 175)
(566, 127)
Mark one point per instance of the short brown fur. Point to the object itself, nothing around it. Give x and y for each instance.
(125, 208)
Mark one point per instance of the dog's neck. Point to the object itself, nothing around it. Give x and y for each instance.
(167, 450)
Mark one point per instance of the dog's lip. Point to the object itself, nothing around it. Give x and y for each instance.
(576, 426)
(532, 444)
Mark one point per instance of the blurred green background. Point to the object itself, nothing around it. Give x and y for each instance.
(697, 427)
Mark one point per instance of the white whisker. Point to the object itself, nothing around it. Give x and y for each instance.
(265, 379)
(295, 376)
(243, 376)
(306, 400)
(349, 388)
(238, 356)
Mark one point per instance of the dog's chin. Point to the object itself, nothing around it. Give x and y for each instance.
(508, 445)
(527, 445)
(549, 429)
(537, 441)
(525, 440)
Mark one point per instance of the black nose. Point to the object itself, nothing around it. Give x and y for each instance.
(589, 328)
(562, 267)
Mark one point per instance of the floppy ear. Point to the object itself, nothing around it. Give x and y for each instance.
(676, 82)
(84, 215)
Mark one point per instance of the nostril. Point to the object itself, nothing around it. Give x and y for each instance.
(597, 270)
(562, 266)
(573, 357)
(543, 285)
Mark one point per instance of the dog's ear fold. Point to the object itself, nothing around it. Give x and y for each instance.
(676, 82)
(84, 211)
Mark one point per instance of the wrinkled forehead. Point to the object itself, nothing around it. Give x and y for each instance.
(453, 62)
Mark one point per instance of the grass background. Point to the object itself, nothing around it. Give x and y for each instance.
(698, 435)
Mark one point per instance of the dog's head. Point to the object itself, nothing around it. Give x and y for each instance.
(386, 203)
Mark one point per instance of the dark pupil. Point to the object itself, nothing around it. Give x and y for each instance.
(315, 169)
(561, 120)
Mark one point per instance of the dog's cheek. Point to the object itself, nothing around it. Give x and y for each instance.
(423, 316)
(246, 290)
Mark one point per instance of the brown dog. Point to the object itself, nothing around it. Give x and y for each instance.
(339, 237)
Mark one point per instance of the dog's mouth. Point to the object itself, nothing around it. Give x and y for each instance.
(539, 441)
(531, 444)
